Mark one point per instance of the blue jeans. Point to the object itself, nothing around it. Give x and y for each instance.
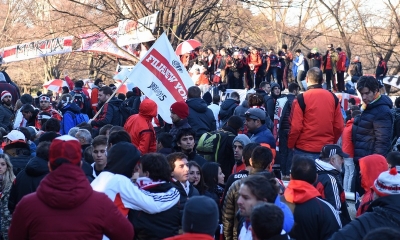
(313, 156)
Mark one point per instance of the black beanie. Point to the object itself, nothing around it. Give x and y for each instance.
(207, 98)
(200, 216)
(122, 159)
(235, 122)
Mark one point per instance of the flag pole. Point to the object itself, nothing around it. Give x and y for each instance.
(112, 95)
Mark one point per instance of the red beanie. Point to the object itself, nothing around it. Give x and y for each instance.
(181, 109)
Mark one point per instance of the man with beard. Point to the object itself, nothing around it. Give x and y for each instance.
(109, 112)
(6, 111)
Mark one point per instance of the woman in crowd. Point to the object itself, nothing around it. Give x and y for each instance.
(6, 179)
(196, 177)
(214, 180)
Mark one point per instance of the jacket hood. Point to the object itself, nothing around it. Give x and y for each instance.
(391, 202)
(73, 107)
(115, 101)
(245, 104)
(122, 159)
(370, 167)
(300, 191)
(37, 167)
(325, 167)
(350, 122)
(384, 100)
(228, 103)
(64, 188)
(197, 104)
(148, 108)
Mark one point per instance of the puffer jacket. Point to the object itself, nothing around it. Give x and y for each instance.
(229, 210)
(263, 135)
(383, 212)
(140, 128)
(41, 215)
(227, 109)
(6, 117)
(284, 123)
(201, 118)
(109, 114)
(372, 130)
(27, 180)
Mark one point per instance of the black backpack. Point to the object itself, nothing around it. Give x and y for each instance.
(79, 97)
(210, 144)
(125, 111)
(302, 104)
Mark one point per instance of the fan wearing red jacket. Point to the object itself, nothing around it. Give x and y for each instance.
(254, 62)
(341, 69)
(320, 122)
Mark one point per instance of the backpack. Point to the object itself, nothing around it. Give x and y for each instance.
(77, 118)
(302, 104)
(210, 144)
(125, 111)
(79, 97)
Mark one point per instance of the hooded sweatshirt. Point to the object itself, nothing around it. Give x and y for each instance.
(314, 218)
(201, 118)
(141, 129)
(115, 182)
(42, 215)
(370, 168)
(69, 117)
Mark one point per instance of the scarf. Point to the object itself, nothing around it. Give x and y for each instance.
(376, 98)
(146, 183)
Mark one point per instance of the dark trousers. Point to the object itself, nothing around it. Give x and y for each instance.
(340, 79)
(329, 79)
(286, 154)
(300, 75)
(285, 76)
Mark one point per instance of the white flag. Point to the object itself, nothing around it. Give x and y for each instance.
(161, 76)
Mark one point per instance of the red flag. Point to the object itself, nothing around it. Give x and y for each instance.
(69, 82)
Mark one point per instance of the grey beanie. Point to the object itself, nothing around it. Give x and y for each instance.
(242, 138)
(275, 85)
(200, 215)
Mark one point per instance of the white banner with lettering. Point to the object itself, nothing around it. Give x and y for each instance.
(161, 76)
(133, 32)
(36, 49)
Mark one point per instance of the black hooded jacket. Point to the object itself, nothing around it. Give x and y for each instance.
(383, 212)
(122, 159)
(109, 114)
(27, 180)
(227, 109)
(200, 118)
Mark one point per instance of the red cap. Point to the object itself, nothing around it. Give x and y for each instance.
(181, 109)
(65, 147)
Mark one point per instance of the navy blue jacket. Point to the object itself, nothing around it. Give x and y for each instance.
(227, 109)
(383, 212)
(263, 135)
(200, 118)
(372, 130)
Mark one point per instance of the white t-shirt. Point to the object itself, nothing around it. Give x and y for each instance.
(215, 109)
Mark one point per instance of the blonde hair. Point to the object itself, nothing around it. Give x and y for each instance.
(8, 176)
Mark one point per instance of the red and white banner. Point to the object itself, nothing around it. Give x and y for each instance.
(37, 49)
(280, 103)
(99, 42)
(134, 32)
(161, 76)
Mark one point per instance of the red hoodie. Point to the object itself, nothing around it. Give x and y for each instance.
(300, 191)
(347, 143)
(191, 236)
(341, 63)
(370, 168)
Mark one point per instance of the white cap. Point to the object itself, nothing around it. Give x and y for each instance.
(15, 135)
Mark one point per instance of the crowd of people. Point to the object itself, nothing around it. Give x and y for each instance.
(246, 68)
(100, 166)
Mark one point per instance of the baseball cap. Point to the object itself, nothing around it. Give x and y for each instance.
(255, 113)
(65, 147)
(15, 135)
(331, 149)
